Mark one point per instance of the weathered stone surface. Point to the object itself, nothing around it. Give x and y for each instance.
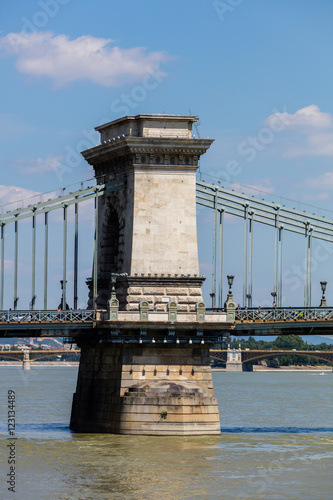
(147, 233)
(135, 290)
(154, 291)
(128, 389)
(195, 292)
(177, 291)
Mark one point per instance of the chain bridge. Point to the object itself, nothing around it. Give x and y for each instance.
(146, 331)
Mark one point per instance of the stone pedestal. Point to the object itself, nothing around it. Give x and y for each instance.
(26, 361)
(234, 360)
(156, 389)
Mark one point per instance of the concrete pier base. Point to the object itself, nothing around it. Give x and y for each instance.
(234, 367)
(155, 389)
(26, 361)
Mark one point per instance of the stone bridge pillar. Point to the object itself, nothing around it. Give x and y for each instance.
(148, 229)
(234, 360)
(134, 380)
(26, 360)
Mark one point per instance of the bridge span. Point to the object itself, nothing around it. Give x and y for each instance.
(243, 360)
(206, 324)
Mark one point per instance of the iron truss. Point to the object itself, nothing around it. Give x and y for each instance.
(254, 210)
(69, 316)
(276, 321)
(43, 208)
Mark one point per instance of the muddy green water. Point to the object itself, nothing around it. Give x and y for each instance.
(276, 443)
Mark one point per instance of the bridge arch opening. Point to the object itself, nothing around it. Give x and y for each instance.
(109, 258)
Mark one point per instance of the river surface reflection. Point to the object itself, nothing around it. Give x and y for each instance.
(276, 442)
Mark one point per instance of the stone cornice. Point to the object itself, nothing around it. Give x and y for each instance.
(149, 146)
(146, 280)
(159, 280)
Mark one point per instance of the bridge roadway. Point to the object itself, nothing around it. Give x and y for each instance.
(279, 321)
(252, 356)
(129, 326)
(260, 321)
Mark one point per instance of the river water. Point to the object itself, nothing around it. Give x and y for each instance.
(276, 443)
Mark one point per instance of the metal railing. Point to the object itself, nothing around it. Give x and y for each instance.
(284, 314)
(69, 316)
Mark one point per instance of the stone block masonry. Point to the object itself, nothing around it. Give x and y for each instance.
(148, 229)
(145, 389)
(147, 238)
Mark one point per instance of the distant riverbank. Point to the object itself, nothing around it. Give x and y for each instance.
(256, 368)
(41, 363)
(259, 368)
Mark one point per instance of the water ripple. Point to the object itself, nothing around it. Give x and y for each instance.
(277, 430)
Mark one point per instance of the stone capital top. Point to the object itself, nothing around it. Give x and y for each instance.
(154, 139)
(148, 150)
(156, 125)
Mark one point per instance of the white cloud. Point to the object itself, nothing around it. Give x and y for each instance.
(257, 189)
(38, 165)
(324, 181)
(309, 132)
(321, 144)
(84, 58)
(309, 117)
(11, 197)
(324, 196)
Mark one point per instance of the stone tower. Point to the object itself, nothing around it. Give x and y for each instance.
(140, 370)
(148, 229)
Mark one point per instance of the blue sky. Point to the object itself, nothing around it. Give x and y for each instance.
(258, 74)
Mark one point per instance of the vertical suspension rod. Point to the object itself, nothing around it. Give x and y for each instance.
(15, 264)
(305, 269)
(64, 259)
(276, 253)
(221, 258)
(279, 302)
(250, 264)
(95, 254)
(33, 264)
(245, 254)
(46, 254)
(214, 263)
(310, 265)
(76, 246)
(307, 265)
(2, 264)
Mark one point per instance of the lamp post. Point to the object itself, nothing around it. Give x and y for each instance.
(113, 302)
(323, 289)
(114, 277)
(213, 299)
(274, 294)
(230, 279)
(63, 306)
(229, 304)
